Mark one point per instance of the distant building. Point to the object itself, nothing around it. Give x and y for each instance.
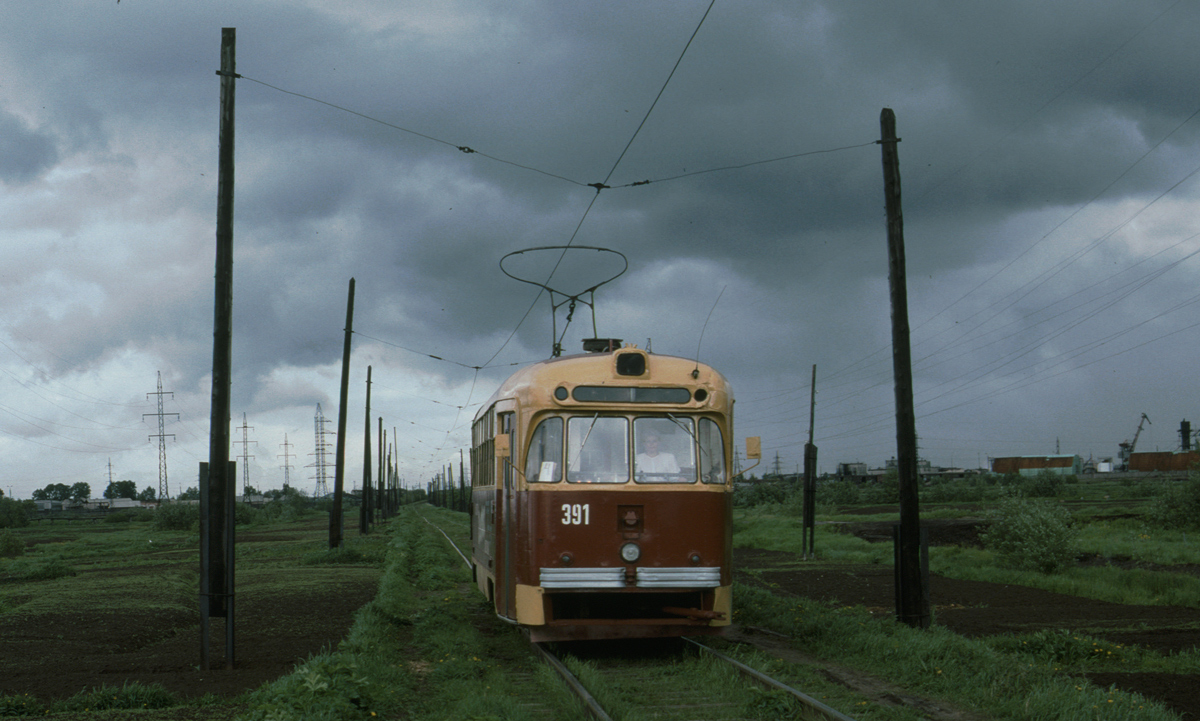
(1164, 461)
(1033, 465)
(853, 470)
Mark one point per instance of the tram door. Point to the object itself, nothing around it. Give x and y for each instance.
(507, 593)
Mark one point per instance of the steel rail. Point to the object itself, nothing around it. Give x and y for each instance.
(453, 545)
(804, 698)
(575, 685)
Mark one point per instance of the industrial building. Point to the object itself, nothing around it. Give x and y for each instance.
(1063, 465)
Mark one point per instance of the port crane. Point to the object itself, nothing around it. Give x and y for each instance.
(1127, 447)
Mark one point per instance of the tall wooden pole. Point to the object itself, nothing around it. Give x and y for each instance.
(216, 486)
(912, 596)
(808, 540)
(336, 521)
(364, 516)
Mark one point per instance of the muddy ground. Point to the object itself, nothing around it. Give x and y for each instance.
(54, 656)
(976, 609)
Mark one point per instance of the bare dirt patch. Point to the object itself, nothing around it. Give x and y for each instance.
(56, 655)
(976, 609)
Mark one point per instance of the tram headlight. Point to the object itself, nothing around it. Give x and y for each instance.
(631, 552)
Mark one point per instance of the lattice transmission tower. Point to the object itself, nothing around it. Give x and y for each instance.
(245, 456)
(322, 450)
(164, 493)
(287, 467)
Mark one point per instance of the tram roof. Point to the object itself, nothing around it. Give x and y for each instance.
(600, 369)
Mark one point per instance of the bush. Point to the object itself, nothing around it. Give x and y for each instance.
(1176, 505)
(13, 513)
(140, 515)
(1033, 535)
(10, 544)
(759, 493)
(966, 490)
(177, 517)
(839, 493)
(886, 491)
(1043, 485)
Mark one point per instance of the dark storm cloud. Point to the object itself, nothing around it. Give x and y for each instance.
(1013, 117)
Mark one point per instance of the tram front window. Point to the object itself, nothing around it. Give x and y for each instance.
(665, 450)
(597, 449)
(543, 464)
(712, 452)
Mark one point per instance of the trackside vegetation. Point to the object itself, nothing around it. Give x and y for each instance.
(417, 651)
(1005, 679)
(429, 646)
(1115, 541)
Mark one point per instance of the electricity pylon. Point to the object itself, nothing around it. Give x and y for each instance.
(164, 493)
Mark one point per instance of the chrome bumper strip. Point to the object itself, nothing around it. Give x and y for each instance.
(681, 577)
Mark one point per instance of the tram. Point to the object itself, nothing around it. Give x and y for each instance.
(602, 496)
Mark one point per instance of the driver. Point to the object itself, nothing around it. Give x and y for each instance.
(651, 461)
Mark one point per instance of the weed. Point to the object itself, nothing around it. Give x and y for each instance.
(1064, 648)
(20, 705)
(130, 696)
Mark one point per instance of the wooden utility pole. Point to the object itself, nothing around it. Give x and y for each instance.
(808, 540)
(216, 485)
(912, 585)
(364, 514)
(336, 521)
(381, 475)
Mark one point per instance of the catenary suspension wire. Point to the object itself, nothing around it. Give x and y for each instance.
(462, 148)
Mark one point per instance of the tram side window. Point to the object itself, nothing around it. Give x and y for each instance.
(665, 450)
(597, 449)
(712, 452)
(544, 462)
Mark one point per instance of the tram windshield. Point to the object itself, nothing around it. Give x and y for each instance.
(598, 449)
(665, 450)
(613, 449)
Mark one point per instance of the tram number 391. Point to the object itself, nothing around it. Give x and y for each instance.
(575, 514)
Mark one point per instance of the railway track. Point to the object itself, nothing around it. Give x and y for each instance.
(667, 679)
(670, 679)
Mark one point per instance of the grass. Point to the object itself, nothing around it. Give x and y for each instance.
(429, 647)
(1113, 538)
(1025, 676)
(1133, 539)
(936, 663)
(414, 650)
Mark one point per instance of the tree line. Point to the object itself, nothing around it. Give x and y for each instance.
(81, 492)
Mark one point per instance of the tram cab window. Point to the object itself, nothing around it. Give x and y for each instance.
(712, 452)
(597, 449)
(666, 450)
(543, 464)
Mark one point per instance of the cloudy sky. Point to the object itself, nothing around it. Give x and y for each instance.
(1049, 158)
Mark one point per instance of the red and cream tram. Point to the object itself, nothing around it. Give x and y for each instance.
(601, 497)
